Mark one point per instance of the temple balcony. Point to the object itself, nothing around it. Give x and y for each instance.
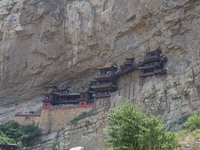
(70, 102)
(146, 66)
(67, 100)
(101, 85)
(153, 72)
(160, 57)
(82, 99)
(105, 75)
(151, 57)
(146, 74)
(101, 95)
(68, 106)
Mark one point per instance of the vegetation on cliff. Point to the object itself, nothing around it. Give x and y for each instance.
(193, 122)
(131, 129)
(83, 115)
(12, 132)
(191, 129)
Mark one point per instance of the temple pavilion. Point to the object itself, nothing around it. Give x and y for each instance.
(55, 97)
(105, 81)
(153, 63)
(128, 66)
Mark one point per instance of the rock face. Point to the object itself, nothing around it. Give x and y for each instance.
(172, 99)
(88, 133)
(193, 145)
(42, 42)
(49, 41)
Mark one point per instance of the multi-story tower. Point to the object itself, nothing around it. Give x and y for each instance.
(127, 67)
(105, 82)
(153, 63)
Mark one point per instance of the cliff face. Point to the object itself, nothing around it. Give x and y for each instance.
(47, 41)
(88, 132)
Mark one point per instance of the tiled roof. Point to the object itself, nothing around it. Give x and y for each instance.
(107, 65)
(83, 90)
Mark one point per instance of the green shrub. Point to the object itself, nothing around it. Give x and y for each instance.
(181, 134)
(79, 117)
(30, 135)
(12, 132)
(83, 115)
(5, 139)
(131, 129)
(196, 133)
(193, 122)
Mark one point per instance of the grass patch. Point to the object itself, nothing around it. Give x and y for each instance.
(83, 115)
(196, 134)
(182, 134)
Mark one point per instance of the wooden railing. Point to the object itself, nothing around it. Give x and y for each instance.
(157, 71)
(105, 75)
(151, 57)
(100, 85)
(74, 106)
(146, 74)
(102, 95)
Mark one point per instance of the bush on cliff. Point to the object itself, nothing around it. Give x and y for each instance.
(131, 129)
(12, 132)
(30, 135)
(193, 122)
(5, 139)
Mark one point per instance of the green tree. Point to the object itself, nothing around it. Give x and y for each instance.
(12, 132)
(30, 135)
(132, 129)
(5, 139)
(193, 122)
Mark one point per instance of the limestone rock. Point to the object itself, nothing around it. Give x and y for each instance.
(52, 41)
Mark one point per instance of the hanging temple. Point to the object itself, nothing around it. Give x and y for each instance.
(105, 81)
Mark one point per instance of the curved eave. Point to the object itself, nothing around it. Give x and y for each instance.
(151, 59)
(100, 87)
(103, 77)
(148, 67)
